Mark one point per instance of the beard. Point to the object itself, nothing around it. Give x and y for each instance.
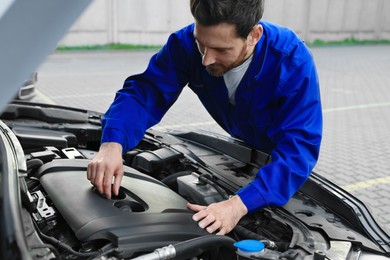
(218, 69)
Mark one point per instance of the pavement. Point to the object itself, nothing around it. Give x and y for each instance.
(355, 90)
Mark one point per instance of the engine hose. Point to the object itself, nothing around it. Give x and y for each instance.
(196, 246)
(66, 247)
(33, 165)
(189, 248)
(243, 232)
(207, 178)
(171, 180)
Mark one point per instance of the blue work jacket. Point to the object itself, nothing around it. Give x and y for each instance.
(277, 106)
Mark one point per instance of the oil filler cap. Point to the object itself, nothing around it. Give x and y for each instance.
(249, 247)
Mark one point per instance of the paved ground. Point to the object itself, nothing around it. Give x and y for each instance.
(355, 86)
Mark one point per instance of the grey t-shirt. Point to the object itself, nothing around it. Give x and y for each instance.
(233, 77)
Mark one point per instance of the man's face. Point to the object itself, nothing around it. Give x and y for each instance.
(220, 47)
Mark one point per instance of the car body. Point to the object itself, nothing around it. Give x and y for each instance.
(46, 197)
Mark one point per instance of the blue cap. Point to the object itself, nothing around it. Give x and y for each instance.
(249, 245)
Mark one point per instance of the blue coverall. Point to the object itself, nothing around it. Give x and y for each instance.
(277, 106)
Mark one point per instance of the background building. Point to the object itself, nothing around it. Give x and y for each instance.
(149, 22)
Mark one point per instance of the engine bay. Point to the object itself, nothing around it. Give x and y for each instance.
(67, 218)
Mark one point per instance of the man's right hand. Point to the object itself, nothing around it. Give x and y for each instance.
(106, 165)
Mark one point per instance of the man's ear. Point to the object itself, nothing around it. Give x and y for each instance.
(255, 35)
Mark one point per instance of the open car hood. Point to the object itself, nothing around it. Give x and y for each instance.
(30, 30)
(59, 214)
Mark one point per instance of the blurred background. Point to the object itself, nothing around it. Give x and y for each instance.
(149, 22)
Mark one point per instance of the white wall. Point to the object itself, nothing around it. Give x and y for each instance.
(149, 22)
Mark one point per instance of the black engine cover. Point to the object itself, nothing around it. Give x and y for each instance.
(145, 215)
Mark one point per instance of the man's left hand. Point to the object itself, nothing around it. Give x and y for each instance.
(222, 216)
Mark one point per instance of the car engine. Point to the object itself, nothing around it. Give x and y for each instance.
(65, 217)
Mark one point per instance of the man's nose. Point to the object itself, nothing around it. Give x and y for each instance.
(208, 57)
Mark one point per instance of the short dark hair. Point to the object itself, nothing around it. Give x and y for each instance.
(243, 13)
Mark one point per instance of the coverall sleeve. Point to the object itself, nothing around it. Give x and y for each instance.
(146, 97)
(297, 133)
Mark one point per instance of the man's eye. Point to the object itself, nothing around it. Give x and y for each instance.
(222, 50)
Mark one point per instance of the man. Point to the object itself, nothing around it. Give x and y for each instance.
(256, 79)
